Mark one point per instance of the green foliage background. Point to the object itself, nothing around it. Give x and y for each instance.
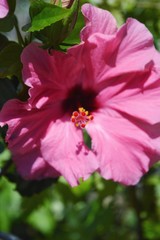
(97, 209)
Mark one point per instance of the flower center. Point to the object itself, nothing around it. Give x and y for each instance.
(78, 97)
(79, 104)
(81, 117)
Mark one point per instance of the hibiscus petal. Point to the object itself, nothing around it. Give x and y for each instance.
(134, 49)
(64, 150)
(26, 128)
(48, 75)
(134, 94)
(124, 150)
(95, 56)
(130, 49)
(32, 166)
(97, 20)
(4, 9)
(144, 108)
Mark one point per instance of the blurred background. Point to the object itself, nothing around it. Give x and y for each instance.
(97, 209)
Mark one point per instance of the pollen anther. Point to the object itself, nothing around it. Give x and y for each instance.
(81, 117)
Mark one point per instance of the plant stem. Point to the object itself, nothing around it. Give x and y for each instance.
(19, 36)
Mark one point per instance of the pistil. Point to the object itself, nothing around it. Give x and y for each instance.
(81, 118)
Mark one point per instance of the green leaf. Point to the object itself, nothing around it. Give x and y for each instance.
(7, 23)
(10, 63)
(3, 41)
(83, 188)
(26, 27)
(47, 225)
(74, 37)
(9, 205)
(36, 7)
(7, 90)
(69, 22)
(50, 23)
(49, 15)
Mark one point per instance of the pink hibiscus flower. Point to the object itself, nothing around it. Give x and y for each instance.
(109, 85)
(4, 9)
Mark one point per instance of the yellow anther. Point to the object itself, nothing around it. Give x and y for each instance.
(87, 113)
(81, 117)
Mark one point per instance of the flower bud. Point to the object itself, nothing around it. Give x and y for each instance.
(65, 3)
